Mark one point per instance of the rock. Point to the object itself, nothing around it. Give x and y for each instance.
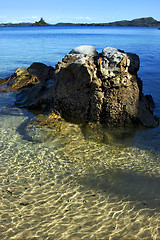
(37, 73)
(32, 82)
(85, 50)
(2, 81)
(102, 88)
(19, 79)
(41, 78)
(75, 87)
(89, 86)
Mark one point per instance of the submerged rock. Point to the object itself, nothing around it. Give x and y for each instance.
(89, 86)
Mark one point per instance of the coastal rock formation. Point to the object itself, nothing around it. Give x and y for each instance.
(32, 82)
(103, 87)
(89, 86)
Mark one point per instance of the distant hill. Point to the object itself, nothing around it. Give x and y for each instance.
(139, 22)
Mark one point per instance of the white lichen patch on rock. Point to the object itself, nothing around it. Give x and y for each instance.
(84, 49)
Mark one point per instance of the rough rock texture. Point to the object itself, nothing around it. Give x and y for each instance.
(31, 94)
(89, 86)
(32, 82)
(103, 88)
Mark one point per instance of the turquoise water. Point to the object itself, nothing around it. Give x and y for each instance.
(85, 182)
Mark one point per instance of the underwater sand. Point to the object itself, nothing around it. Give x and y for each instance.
(76, 184)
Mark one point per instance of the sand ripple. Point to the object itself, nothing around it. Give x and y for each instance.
(75, 187)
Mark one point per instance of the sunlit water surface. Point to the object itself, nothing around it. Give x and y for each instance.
(83, 182)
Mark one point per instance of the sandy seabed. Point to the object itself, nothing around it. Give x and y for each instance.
(71, 186)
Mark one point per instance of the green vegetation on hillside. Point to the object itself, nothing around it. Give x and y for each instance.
(41, 23)
(139, 22)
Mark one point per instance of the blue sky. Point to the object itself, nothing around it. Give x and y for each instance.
(85, 11)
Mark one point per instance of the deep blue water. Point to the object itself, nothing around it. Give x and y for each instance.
(21, 46)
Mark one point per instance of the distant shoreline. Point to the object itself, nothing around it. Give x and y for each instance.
(140, 22)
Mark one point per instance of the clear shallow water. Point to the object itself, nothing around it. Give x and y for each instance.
(84, 183)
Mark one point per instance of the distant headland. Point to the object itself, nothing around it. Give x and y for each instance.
(139, 22)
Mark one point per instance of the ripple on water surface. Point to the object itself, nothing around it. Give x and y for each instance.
(76, 185)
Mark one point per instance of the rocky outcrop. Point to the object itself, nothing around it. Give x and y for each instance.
(86, 85)
(32, 83)
(102, 87)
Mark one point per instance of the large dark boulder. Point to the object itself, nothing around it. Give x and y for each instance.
(102, 87)
(89, 86)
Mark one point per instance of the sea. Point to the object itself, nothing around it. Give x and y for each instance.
(78, 184)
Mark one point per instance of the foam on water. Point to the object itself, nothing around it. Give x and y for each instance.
(73, 186)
